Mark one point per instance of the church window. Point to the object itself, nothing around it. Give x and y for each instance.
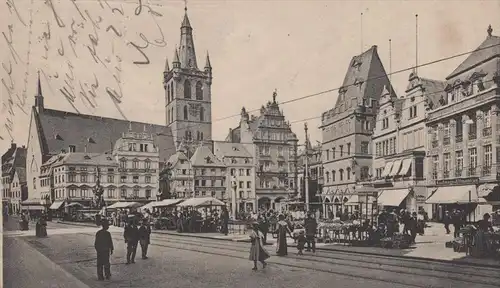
(187, 89)
(185, 112)
(168, 116)
(199, 91)
(202, 112)
(198, 135)
(201, 135)
(168, 93)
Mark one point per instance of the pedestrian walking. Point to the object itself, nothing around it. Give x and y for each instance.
(264, 227)
(144, 237)
(131, 235)
(447, 221)
(311, 227)
(257, 251)
(225, 220)
(104, 248)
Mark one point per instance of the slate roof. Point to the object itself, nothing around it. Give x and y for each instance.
(60, 129)
(227, 149)
(489, 49)
(14, 159)
(202, 154)
(179, 155)
(433, 90)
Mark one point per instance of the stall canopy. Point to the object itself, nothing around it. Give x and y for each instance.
(74, 204)
(405, 167)
(392, 197)
(206, 201)
(120, 205)
(455, 195)
(149, 206)
(167, 202)
(387, 169)
(395, 168)
(353, 200)
(56, 205)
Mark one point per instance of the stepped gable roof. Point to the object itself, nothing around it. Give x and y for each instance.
(204, 157)
(489, 49)
(228, 149)
(60, 129)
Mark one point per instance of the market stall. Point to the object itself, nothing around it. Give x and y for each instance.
(166, 218)
(123, 205)
(200, 215)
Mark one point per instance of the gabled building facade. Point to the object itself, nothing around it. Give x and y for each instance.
(347, 130)
(241, 174)
(13, 163)
(275, 153)
(210, 175)
(399, 140)
(463, 127)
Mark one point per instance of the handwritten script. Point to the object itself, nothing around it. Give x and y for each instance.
(79, 48)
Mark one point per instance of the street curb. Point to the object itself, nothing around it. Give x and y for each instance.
(460, 263)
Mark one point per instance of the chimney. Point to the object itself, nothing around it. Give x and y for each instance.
(13, 145)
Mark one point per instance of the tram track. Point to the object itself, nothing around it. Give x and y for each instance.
(334, 255)
(225, 250)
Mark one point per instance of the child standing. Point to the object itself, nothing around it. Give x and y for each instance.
(301, 242)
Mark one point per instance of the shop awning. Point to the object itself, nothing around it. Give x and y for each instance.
(204, 201)
(387, 169)
(405, 167)
(395, 168)
(167, 202)
(32, 207)
(392, 197)
(56, 205)
(485, 189)
(454, 195)
(353, 200)
(121, 205)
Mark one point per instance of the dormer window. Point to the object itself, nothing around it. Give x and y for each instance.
(58, 137)
(233, 161)
(208, 160)
(86, 157)
(72, 148)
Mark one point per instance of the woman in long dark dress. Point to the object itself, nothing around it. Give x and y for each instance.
(257, 251)
(282, 230)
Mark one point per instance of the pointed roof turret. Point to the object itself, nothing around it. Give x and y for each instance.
(207, 62)
(39, 86)
(187, 52)
(176, 63)
(39, 96)
(167, 67)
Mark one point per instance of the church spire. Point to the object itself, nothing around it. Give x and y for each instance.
(39, 96)
(167, 67)
(186, 50)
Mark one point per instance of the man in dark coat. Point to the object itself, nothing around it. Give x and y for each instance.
(104, 247)
(224, 217)
(144, 238)
(264, 227)
(311, 227)
(131, 235)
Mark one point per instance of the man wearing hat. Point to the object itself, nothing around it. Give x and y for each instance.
(104, 247)
(144, 237)
(131, 235)
(311, 226)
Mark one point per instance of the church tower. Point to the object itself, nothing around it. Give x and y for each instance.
(188, 92)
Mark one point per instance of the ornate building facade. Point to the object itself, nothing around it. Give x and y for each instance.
(463, 127)
(275, 153)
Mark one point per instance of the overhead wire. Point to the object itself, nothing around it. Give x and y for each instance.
(332, 90)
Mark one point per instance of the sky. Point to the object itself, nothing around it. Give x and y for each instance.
(297, 47)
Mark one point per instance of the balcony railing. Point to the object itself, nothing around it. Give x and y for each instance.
(459, 138)
(487, 132)
(446, 174)
(435, 143)
(472, 135)
(471, 171)
(486, 170)
(446, 141)
(458, 173)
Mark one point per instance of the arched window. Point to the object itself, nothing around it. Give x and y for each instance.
(202, 114)
(187, 89)
(172, 115)
(201, 135)
(186, 134)
(185, 112)
(168, 93)
(190, 136)
(334, 175)
(341, 171)
(198, 135)
(199, 91)
(168, 116)
(348, 171)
